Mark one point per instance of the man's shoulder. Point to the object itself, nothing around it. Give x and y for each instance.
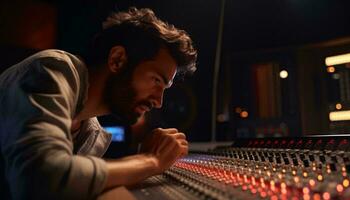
(58, 61)
(58, 56)
(53, 53)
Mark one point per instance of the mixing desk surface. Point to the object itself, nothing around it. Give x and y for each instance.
(310, 168)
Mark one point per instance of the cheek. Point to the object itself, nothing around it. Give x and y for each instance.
(141, 94)
(142, 89)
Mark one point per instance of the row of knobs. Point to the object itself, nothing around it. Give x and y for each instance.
(288, 174)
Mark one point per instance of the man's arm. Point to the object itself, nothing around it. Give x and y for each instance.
(35, 136)
(160, 151)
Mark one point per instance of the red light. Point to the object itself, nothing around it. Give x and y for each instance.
(345, 141)
(340, 188)
(326, 196)
(263, 194)
(331, 141)
(274, 197)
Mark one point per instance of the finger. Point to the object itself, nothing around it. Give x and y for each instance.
(167, 148)
(157, 130)
(165, 143)
(183, 142)
(179, 135)
(183, 147)
(184, 152)
(161, 131)
(171, 130)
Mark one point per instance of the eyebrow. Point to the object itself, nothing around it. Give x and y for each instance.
(167, 82)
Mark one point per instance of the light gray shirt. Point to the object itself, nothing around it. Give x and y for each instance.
(40, 157)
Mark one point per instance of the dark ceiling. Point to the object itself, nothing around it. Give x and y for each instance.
(248, 24)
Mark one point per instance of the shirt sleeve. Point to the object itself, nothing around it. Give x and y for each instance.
(92, 139)
(37, 148)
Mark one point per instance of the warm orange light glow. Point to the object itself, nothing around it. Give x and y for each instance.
(330, 69)
(340, 188)
(274, 197)
(346, 183)
(244, 114)
(312, 182)
(338, 106)
(317, 196)
(268, 173)
(284, 191)
(306, 190)
(272, 182)
(305, 174)
(280, 176)
(296, 179)
(306, 197)
(326, 196)
(320, 177)
(253, 181)
(272, 185)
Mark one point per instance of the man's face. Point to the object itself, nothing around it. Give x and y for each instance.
(134, 91)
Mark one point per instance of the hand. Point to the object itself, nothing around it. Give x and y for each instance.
(166, 146)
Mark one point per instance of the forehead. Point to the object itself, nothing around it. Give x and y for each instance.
(162, 63)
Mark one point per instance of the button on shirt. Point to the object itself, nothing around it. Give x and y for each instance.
(40, 157)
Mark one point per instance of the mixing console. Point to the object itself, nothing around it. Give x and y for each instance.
(310, 168)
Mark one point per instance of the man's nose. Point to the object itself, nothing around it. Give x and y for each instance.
(158, 99)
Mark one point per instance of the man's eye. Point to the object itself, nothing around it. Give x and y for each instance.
(157, 80)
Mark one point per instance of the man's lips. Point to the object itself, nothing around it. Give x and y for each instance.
(142, 109)
(145, 108)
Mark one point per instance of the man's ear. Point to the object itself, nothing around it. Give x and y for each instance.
(116, 59)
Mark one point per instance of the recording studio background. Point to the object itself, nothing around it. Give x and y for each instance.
(273, 79)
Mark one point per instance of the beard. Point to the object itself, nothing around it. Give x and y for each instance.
(120, 96)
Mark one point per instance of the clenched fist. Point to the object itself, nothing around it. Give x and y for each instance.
(166, 146)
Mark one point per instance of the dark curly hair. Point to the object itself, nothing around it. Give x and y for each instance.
(142, 35)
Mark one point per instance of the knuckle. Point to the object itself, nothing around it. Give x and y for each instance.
(172, 130)
(178, 144)
(183, 135)
(156, 130)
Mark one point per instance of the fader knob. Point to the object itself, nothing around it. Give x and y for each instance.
(295, 162)
(333, 167)
(312, 157)
(306, 163)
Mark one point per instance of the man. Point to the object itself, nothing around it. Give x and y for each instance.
(50, 138)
